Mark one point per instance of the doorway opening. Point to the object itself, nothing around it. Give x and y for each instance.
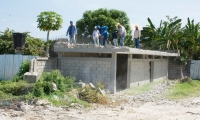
(121, 75)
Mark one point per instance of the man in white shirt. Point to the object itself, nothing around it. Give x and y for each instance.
(96, 35)
(122, 33)
(137, 37)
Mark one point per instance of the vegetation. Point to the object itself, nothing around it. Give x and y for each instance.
(171, 36)
(22, 70)
(49, 21)
(184, 89)
(33, 46)
(44, 85)
(92, 95)
(103, 17)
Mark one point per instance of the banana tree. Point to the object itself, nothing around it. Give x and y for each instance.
(165, 37)
(190, 44)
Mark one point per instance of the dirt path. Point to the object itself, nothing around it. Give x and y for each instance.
(146, 106)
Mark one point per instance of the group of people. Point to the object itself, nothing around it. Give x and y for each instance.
(100, 35)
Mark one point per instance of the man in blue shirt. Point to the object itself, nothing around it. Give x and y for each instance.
(72, 32)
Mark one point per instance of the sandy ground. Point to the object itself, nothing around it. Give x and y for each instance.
(146, 106)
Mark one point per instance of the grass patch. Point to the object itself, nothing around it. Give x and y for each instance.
(141, 88)
(183, 90)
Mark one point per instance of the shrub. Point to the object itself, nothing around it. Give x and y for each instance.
(14, 88)
(44, 84)
(91, 95)
(22, 70)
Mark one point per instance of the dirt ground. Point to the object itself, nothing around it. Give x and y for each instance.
(146, 106)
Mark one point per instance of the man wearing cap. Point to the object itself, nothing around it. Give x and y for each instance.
(72, 32)
(122, 33)
(137, 37)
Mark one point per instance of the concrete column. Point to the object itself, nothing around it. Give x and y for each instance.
(129, 70)
(113, 73)
(59, 61)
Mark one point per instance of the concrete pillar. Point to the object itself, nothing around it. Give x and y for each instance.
(59, 61)
(129, 70)
(113, 73)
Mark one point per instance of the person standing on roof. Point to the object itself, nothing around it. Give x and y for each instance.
(96, 35)
(72, 32)
(114, 37)
(104, 35)
(122, 33)
(136, 37)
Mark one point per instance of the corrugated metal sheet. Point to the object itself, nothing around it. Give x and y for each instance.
(2, 66)
(195, 69)
(8, 67)
(10, 64)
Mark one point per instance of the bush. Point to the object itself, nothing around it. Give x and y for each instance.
(22, 70)
(14, 88)
(91, 95)
(43, 86)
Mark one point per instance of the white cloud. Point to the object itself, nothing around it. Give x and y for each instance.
(34, 24)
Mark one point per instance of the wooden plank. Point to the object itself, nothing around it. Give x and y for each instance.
(2, 64)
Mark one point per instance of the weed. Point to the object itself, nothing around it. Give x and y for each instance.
(183, 90)
(91, 95)
(22, 70)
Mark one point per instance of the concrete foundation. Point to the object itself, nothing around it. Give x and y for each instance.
(31, 77)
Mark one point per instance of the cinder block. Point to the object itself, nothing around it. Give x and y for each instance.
(31, 77)
(84, 46)
(78, 46)
(99, 62)
(90, 46)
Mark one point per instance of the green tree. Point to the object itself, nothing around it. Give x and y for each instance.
(103, 17)
(33, 46)
(49, 21)
(165, 37)
(6, 42)
(190, 44)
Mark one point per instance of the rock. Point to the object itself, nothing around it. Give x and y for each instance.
(122, 108)
(54, 86)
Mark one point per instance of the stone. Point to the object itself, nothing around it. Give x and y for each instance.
(122, 108)
(31, 77)
(54, 86)
(108, 46)
(80, 84)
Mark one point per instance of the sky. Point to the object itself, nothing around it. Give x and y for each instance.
(21, 15)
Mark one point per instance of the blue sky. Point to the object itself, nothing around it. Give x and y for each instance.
(21, 15)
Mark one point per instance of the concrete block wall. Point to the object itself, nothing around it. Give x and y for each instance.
(44, 64)
(87, 69)
(160, 69)
(175, 68)
(140, 70)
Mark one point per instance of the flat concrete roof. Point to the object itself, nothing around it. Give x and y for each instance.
(86, 48)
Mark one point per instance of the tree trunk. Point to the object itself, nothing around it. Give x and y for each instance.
(47, 46)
